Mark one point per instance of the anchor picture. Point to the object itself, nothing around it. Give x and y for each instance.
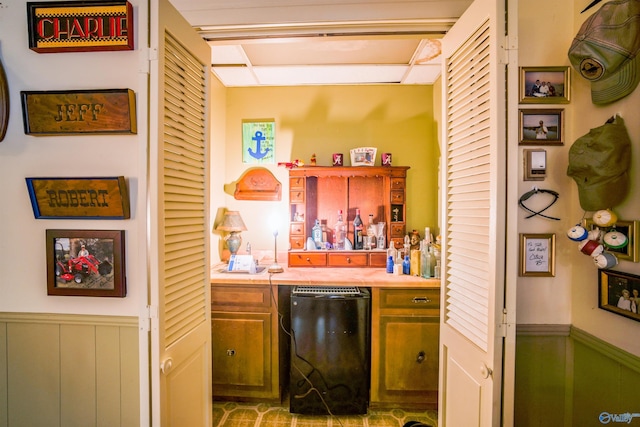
(258, 142)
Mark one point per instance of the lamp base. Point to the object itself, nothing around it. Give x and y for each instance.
(275, 268)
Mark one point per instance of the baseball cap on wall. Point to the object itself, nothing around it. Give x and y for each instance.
(599, 163)
(606, 50)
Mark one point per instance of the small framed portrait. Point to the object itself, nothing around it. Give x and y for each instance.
(545, 85)
(541, 127)
(537, 255)
(85, 263)
(619, 293)
(630, 229)
(363, 156)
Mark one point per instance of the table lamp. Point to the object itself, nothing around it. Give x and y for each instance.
(232, 223)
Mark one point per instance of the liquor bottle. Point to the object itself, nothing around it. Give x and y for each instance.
(357, 231)
(371, 232)
(339, 232)
(316, 234)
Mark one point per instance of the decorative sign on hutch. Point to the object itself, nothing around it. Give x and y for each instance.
(108, 111)
(80, 26)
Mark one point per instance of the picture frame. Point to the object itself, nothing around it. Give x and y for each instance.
(541, 127)
(619, 293)
(560, 85)
(100, 272)
(259, 141)
(363, 156)
(631, 229)
(537, 255)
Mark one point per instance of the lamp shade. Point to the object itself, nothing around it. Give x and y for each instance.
(232, 222)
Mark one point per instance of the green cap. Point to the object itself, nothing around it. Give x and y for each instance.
(599, 163)
(606, 50)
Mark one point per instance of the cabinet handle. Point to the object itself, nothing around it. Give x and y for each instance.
(421, 357)
(348, 260)
(421, 300)
(231, 352)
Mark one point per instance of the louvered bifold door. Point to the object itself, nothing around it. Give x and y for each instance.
(469, 189)
(179, 218)
(184, 204)
(473, 216)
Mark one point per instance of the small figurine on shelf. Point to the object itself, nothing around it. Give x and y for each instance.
(313, 159)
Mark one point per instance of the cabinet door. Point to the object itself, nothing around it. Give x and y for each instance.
(407, 366)
(241, 350)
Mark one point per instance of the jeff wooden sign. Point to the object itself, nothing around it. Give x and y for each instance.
(83, 111)
(93, 198)
(80, 26)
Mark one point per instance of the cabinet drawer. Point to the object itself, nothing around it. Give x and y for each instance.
(397, 230)
(307, 259)
(348, 260)
(296, 196)
(296, 228)
(296, 183)
(397, 196)
(297, 243)
(397, 183)
(378, 259)
(409, 298)
(236, 296)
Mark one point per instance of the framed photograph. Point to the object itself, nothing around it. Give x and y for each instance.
(86, 263)
(545, 85)
(541, 127)
(619, 293)
(628, 228)
(363, 156)
(537, 255)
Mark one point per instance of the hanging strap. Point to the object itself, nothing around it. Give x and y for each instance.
(528, 195)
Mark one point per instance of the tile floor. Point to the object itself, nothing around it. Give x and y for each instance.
(238, 414)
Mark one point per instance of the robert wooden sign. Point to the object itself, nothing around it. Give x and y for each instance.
(80, 26)
(81, 111)
(94, 198)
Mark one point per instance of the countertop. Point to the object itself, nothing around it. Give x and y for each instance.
(322, 276)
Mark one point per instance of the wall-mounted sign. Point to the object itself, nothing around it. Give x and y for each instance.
(258, 141)
(80, 26)
(82, 111)
(90, 198)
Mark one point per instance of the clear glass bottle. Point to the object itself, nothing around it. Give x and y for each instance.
(358, 229)
(436, 270)
(316, 234)
(371, 232)
(339, 232)
(426, 261)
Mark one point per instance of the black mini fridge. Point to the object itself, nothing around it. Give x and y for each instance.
(330, 350)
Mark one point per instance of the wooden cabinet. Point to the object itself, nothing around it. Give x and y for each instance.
(245, 342)
(404, 347)
(318, 192)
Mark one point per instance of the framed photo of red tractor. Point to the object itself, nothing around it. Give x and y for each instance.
(86, 263)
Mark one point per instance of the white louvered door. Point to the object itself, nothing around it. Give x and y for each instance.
(474, 217)
(179, 222)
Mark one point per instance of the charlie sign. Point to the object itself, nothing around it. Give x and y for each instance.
(80, 26)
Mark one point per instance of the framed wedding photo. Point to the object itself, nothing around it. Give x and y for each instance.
(545, 85)
(619, 293)
(541, 127)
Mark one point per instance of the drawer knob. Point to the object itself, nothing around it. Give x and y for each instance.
(421, 300)
(421, 357)
(348, 260)
(231, 352)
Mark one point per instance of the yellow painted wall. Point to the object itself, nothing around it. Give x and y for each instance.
(323, 120)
